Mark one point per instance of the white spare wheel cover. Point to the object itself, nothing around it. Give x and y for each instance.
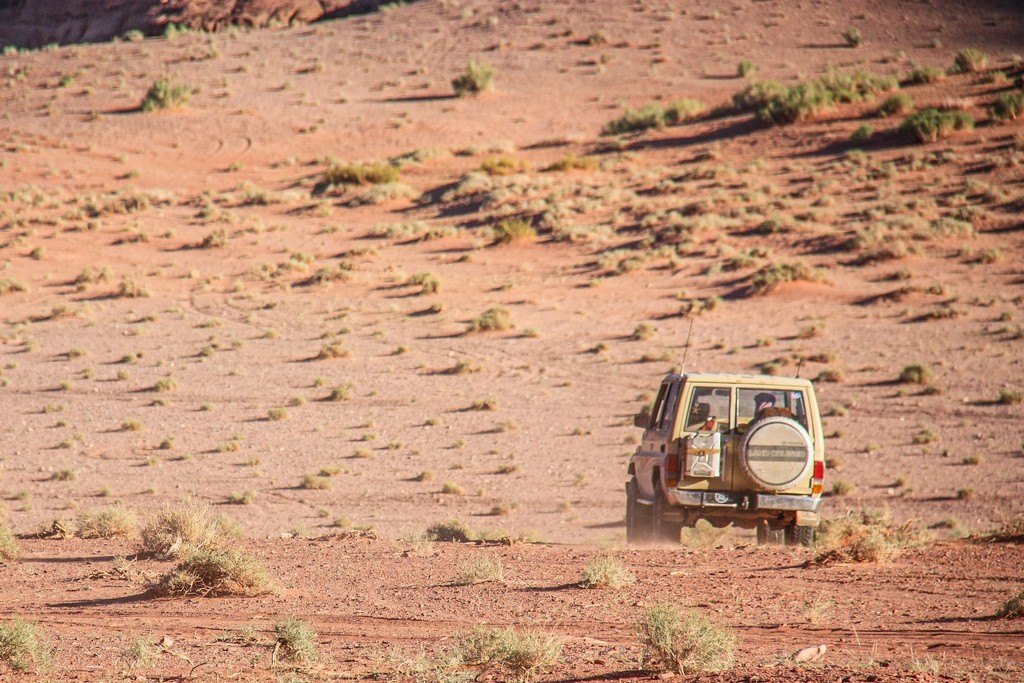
(777, 453)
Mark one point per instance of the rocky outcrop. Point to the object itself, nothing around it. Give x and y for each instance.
(34, 23)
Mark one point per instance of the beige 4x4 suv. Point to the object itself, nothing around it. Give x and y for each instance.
(745, 450)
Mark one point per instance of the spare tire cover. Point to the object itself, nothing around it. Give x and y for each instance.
(777, 453)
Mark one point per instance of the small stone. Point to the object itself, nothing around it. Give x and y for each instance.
(810, 654)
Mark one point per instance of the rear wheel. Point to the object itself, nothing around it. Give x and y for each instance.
(768, 536)
(800, 535)
(638, 517)
(665, 530)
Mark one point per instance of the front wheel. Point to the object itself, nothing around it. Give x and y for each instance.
(638, 517)
(800, 535)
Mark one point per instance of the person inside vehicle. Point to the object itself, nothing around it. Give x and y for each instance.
(766, 407)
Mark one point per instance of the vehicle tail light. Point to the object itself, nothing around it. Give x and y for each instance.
(818, 483)
(672, 470)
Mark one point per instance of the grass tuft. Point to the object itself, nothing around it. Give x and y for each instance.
(931, 125)
(513, 230)
(606, 572)
(180, 529)
(916, 373)
(683, 644)
(862, 538)
(23, 646)
(1013, 608)
(496, 318)
(478, 78)
(775, 274)
(111, 522)
(164, 94)
(296, 642)
(482, 570)
(451, 531)
(213, 573)
(8, 546)
(522, 654)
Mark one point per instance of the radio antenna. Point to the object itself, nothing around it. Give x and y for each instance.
(799, 364)
(686, 348)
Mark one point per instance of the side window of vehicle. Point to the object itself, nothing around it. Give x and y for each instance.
(708, 403)
(659, 406)
(666, 416)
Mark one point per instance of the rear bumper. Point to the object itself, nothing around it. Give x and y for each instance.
(747, 502)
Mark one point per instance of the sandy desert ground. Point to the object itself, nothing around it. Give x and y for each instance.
(187, 312)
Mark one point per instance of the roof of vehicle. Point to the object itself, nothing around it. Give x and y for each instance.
(749, 380)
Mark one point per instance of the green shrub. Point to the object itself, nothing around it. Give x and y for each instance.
(164, 94)
(797, 103)
(295, 642)
(863, 133)
(685, 645)
(757, 94)
(899, 104)
(926, 74)
(479, 77)
(745, 68)
(852, 37)
(654, 115)
(931, 125)
(212, 573)
(1007, 107)
(969, 61)
(916, 373)
(23, 646)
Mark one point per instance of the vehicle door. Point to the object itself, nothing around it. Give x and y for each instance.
(650, 457)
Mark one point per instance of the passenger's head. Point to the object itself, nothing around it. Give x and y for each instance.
(764, 400)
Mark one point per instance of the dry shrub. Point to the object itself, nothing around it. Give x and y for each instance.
(213, 573)
(111, 522)
(184, 528)
(684, 645)
(523, 654)
(23, 646)
(482, 570)
(496, 318)
(866, 537)
(296, 642)
(606, 572)
(775, 274)
(8, 546)
(1013, 608)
